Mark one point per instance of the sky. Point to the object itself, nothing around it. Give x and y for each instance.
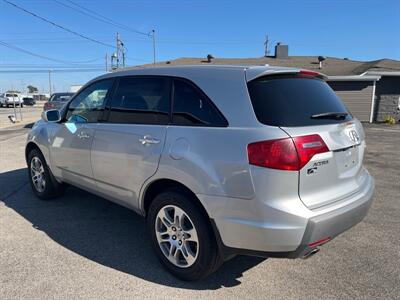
(360, 30)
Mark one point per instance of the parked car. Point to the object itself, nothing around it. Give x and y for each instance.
(8, 100)
(221, 160)
(29, 101)
(57, 101)
(3, 100)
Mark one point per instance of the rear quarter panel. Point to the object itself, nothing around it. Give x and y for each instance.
(212, 161)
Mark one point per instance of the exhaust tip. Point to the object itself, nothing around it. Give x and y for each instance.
(311, 253)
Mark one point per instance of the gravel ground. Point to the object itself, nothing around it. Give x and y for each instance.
(30, 114)
(83, 247)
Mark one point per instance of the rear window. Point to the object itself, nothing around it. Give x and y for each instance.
(292, 100)
(60, 97)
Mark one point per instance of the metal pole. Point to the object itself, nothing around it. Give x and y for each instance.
(123, 58)
(50, 83)
(19, 100)
(154, 46)
(117, 50)
(15, 111)
(106, 62)
(20, 109)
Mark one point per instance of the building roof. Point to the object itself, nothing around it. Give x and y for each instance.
(331, 66)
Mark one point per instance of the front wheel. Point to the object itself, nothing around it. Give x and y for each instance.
(43, 183)
(182, 236)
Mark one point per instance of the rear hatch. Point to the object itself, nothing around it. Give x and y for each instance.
(306, 108)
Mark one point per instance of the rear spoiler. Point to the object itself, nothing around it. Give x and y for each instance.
(257, 72)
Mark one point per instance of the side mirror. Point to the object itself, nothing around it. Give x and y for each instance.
(51, 115)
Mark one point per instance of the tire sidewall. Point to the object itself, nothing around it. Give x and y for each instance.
(49, 190)
(207, 249)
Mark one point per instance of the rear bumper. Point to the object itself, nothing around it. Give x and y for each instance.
(321, 226)
(331, 224)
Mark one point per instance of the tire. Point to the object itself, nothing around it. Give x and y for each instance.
(22, 105)
(203, 256)
(37, 168)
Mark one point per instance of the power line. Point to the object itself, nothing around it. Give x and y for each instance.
(59, 26)
(105, 19)
(73, 63)
(55, 71)
(98, 17)
(46, 67)
(42, 56)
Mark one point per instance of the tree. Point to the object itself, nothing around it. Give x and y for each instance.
(32, 89)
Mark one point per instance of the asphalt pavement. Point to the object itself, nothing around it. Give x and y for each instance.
(83, 247)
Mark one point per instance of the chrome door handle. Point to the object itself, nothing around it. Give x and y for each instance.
(83, 135)
(147, 140)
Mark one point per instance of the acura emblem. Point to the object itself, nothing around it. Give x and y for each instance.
(354, 137)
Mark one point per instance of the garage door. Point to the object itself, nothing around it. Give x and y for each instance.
(356, 95)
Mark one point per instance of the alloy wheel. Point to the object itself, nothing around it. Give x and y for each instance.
(177, 236)
(37, 174)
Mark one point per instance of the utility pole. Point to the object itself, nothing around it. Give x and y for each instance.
(153, 35)
(266, 46)
(106, 62)
(117, 56)
(50, 83)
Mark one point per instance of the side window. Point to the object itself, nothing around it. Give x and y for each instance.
(88, 106)
(192, 108)
(141, 100)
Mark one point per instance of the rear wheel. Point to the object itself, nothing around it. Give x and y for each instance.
(43, 183)
(182, 237)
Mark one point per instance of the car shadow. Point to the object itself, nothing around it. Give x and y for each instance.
(106, 233)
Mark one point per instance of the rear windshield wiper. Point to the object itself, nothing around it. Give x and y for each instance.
(330, 115)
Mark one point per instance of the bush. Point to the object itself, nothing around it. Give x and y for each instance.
(389, 120)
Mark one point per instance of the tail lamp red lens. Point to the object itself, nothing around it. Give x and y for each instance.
(287, 153)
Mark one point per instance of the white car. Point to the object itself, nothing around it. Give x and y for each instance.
(8, 99)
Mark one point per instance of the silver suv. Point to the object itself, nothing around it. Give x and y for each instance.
(221, 160)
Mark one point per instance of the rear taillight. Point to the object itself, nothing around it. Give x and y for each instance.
(307, 146)
(287, 153)
(275, 154)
